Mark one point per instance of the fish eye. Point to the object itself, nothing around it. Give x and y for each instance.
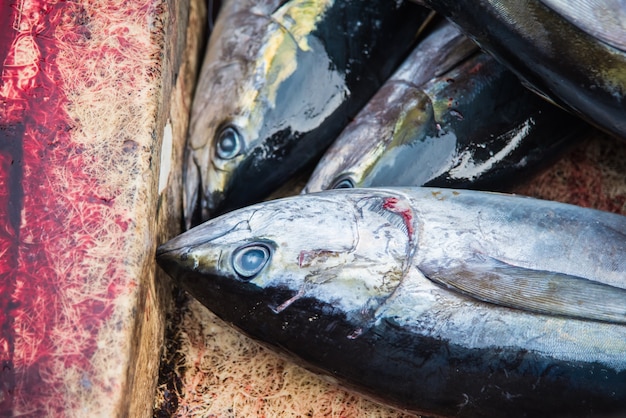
(344, 183)
(249, 260)
(229, 142)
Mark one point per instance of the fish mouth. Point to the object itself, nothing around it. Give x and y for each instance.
(173, 255)
(176, 255)
(203, 194)
(173, 247)
(207, 206)
(169, 261)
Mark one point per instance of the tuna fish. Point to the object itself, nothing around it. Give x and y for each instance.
(278, 83)
(573, 53)
(449, 121)
(437, 301)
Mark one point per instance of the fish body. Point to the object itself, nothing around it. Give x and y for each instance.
(446, 120)
(573, 53)
(445, 302)
(278, 83)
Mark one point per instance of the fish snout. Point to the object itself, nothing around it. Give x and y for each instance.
(171, 260)
(183, 263)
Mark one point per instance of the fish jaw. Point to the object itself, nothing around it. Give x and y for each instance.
(191, 252)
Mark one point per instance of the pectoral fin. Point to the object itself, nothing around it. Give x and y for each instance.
(538, 291)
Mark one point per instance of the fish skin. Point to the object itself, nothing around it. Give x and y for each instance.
(470, 124)
(552, 56)
(345, 292)
(602, 19)
(288, 76)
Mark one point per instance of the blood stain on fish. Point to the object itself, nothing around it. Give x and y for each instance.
(391, 204)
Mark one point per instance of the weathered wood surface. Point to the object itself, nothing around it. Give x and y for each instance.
(169, 213)
(85, 88)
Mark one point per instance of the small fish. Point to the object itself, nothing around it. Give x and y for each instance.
(278, 83)
(571, 52)
(447, 120)
(437, 301)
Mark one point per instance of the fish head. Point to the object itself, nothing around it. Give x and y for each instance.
(220, 132)
(265, 82)
(384, 141)
(397, 118)
(347, 250)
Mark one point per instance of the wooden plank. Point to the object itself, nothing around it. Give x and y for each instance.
(170, 203)
(81, 120)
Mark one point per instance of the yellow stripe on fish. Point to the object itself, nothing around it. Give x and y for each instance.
(297, 20)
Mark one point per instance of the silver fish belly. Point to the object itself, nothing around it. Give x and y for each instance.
(438, 301)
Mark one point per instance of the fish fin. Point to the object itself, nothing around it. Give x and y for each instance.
(538, 291)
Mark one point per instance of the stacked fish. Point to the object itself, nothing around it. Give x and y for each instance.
(440, 301)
